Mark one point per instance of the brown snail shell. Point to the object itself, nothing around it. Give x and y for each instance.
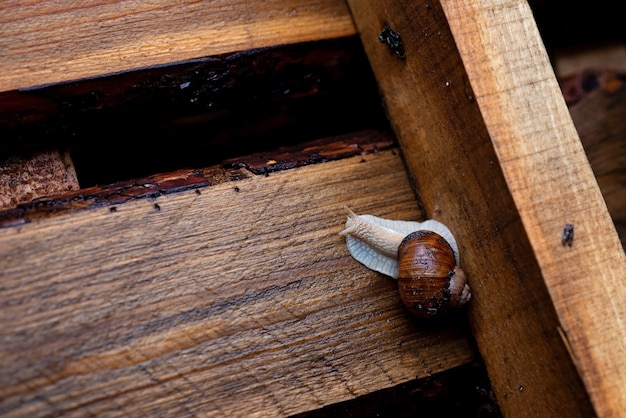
(423, 256)
(426, 269)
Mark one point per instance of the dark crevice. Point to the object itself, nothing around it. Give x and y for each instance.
(197, 113)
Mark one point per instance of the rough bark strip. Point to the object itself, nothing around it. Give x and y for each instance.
(313, 152)
(27, 177)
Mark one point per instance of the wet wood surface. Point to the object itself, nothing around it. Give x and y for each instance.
(234, 298)
(487, 137)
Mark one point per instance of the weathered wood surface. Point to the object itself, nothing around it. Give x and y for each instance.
(487, 137)
(48, 42)
(551, 183)
(239, 300)
(27, 177)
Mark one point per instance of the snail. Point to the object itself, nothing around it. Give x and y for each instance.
(422, 256)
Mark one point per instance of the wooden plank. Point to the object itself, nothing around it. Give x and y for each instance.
(43, 42)
(532, 133)
(27, 177)
(494, 155)
(599, 118)
(235, 299)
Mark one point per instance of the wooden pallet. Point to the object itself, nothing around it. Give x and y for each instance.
(224, 288)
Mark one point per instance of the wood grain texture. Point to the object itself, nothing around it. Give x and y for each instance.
(238, 301)
(448, 149)
(47, 42)
(27, 177)
(552, 183)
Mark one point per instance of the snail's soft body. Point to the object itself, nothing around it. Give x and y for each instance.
(423, 256)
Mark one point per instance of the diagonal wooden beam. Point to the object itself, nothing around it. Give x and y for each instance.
(491, 147)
